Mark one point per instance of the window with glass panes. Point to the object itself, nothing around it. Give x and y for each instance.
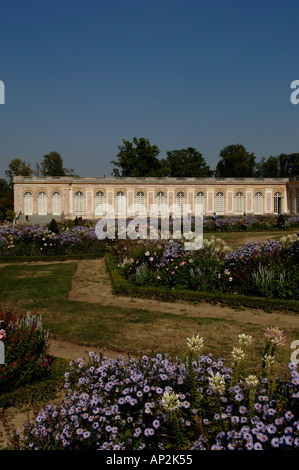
(239, 203)
(99, 203)
(258, 203)
(79, 203)
(219, 209)
(56, 204)
(42, 204)
(28, 203)
(180, 202)
(161, 202)
(200, 203)
(120, 203)
(140, 203)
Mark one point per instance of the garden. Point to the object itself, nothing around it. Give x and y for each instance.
(268, 269)
(160, 403)
(189, 391)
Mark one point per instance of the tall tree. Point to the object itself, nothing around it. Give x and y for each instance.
(6, 197)
(235, 161)
(138, 158)
(289, 165)
(18, 167)
(187, 163)
(269, 168)
(52, 165)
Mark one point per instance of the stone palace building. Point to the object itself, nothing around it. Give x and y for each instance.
(68, 196)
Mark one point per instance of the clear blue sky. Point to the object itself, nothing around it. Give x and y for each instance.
(80, 76)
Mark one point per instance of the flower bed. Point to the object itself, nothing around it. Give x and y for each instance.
(36, 241)
(250, 222)
(160, 403)
(268, 269)
(26, 360)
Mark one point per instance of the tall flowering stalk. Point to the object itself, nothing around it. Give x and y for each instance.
(238, 356)
(217, 385)
(195, 345)
(275, 339)
(171, 403)
(252, 382)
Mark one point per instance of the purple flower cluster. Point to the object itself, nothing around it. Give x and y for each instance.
(117, 405)
(37, 240)
(253, 250)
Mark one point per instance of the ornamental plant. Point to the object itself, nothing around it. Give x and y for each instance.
(26, 350)
(164, 403)
(268, 269)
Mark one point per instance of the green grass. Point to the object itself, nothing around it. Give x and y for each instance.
(236, 239)
(44, 288)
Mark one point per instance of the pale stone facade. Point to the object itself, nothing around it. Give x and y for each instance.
(94, 197)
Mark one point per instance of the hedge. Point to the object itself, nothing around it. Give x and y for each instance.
(122, 286)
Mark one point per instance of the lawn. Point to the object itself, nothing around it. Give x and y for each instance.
(236, 239)
(44, 288)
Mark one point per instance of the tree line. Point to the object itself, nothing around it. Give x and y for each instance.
(139, 158)
(51, 165)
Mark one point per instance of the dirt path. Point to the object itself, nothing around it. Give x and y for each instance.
(91, 283)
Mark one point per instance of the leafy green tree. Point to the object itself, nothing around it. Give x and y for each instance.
(52, 165)
(289, 165)
(18, 167)
(269, 168)
(10, 215)
(235, 161)
(187, 163)
(138, 158)
(282, 166)
(6, 196)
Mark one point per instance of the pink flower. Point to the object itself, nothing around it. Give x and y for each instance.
(2, 334)
(275, 336)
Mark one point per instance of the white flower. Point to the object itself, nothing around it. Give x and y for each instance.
(170, 401)
(195, 343)
(268, 360)
(217, 382)
(251, 381)
(238, 354)
(245, 339)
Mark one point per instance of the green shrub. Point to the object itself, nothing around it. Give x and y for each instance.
(26, 350)
(53, 227)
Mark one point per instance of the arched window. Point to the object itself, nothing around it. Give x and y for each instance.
(258, 203)
(56, 204)
(180, 203)
(219, 209)
(140, 203)
(99, 203)
(239, 203)
(277, 203)
(160, 202)
(120, 203)
(200, 203)
(42, 204)
(79, 203)
(28, 203)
